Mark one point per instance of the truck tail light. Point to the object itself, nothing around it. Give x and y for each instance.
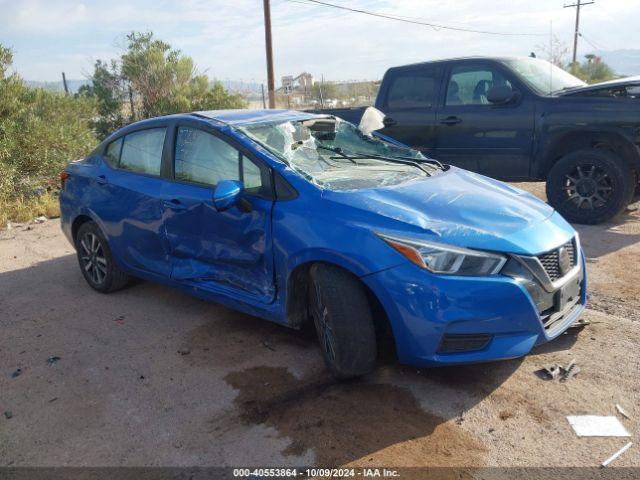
(63, 179)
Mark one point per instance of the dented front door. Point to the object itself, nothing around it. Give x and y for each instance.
(230, 251)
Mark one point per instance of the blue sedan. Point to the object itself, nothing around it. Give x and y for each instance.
(300, 218)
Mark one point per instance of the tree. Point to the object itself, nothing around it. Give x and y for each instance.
(328, 89)
(150, 79)
(555, 52)
(165, 81)
(107, 90)
(593, 70)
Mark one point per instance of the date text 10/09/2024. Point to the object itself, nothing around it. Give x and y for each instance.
(316, 472)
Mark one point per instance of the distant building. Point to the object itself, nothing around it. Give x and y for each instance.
(301, 84)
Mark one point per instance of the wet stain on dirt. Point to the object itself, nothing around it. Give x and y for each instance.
(355, 423)
(233, 339)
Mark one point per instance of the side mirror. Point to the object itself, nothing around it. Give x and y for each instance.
(501, 94)
(227, 194)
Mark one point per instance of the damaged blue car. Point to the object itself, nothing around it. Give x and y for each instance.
(306, 219)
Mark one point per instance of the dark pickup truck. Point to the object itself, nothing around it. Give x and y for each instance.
(520, 118)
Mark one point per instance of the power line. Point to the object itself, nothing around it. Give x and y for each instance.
(415, 22)
(576, 33)
(590, 42)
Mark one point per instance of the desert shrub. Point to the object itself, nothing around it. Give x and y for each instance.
(40, 132)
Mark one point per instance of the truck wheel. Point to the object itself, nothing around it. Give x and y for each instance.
(590, 186)
(341, 313)
(96, 261)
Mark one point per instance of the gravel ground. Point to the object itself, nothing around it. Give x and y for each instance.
(150, 376)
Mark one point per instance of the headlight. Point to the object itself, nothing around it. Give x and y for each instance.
(446, 259)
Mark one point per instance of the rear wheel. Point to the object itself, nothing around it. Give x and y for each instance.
(342, 316)
(96, 261)
(590, 186)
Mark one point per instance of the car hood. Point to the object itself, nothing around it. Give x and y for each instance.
(621, 82)
(464, 209)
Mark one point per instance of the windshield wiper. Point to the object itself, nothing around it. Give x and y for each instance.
(400, 160)
(339, 152)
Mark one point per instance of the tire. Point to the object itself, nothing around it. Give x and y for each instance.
(590, 186)
(342, 316)
(96, 261)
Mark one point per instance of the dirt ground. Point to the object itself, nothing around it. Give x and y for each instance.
(151, 376)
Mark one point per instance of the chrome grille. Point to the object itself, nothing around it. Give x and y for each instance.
(551, 260)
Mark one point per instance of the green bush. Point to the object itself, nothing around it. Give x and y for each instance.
(40, 132)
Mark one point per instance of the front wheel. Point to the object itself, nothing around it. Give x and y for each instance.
(96, 261)
(590, 186)
(342, 316)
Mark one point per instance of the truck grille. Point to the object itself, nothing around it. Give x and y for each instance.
(551, 260)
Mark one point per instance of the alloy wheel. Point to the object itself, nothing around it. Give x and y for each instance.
(320, 316)
(93, 259)
(588, 187)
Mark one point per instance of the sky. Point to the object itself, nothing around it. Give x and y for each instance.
(226, 37)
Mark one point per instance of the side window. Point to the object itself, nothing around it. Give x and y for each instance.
(204, 158)
(142, 151)
(112, 154)
(468, 85)
(252, 176)
(412, 89)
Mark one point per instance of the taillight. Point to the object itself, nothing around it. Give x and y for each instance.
(63, 179)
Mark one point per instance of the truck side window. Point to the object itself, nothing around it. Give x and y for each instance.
(468, 85)
(412, 89)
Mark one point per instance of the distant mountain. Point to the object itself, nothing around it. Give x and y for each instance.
(234, 86)
(623, 62)
(73, 85)
(237, 86)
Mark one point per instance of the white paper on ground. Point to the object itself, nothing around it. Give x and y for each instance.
(597, 426)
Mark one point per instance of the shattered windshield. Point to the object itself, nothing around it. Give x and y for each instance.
(334, 154)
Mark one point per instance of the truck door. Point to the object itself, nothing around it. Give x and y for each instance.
(470, 132)
(409, 103)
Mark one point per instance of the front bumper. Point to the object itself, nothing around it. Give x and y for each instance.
(426, 311)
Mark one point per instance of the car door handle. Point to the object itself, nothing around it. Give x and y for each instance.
(389, 122)
(174, 204)
(101, 180)
(451, 120)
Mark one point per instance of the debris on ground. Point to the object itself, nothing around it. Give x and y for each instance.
(597, 426)
(617, 454)
(569, 371)
(52, 360)
(53, 399)
(505, 415)
(40, 219)
(16, 373)
(623, 412)
(580, 323)
(184, 351)
(558, 372)
(8, 414)
(268, 345)
(119, 320)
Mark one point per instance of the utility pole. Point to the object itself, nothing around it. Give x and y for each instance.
(578, 4)
(267, 39)
(64, 83)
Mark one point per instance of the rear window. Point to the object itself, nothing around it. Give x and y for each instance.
(142, 151)
(412, 89)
